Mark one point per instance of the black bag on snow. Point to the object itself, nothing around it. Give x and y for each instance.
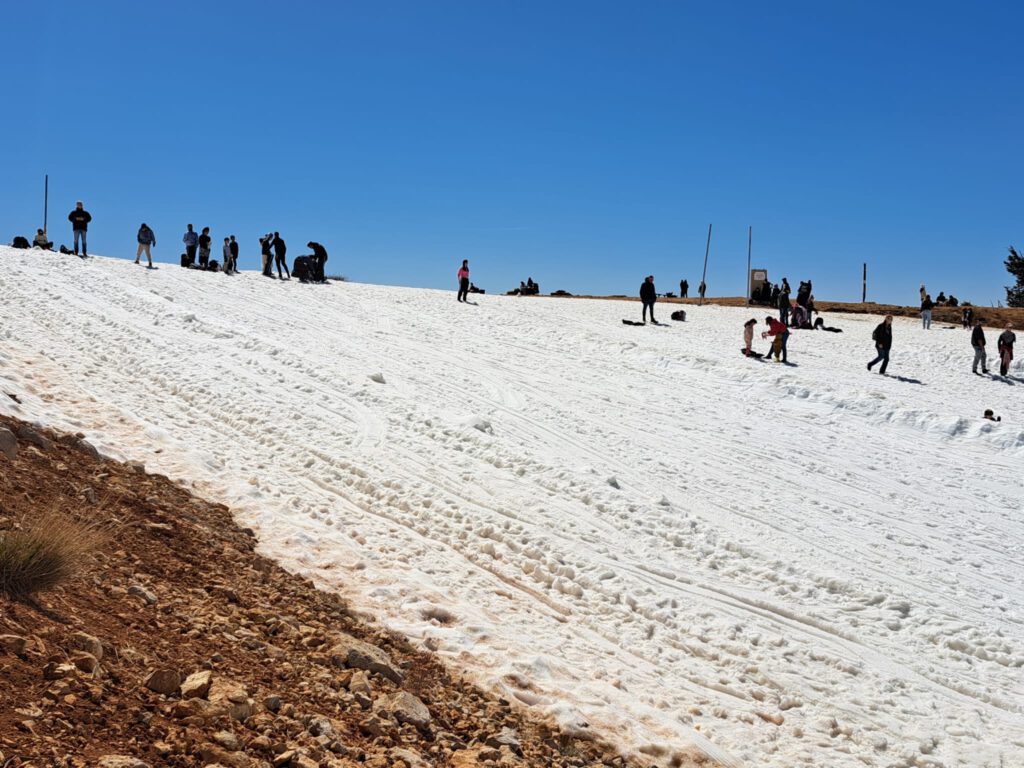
(20, 242)
(213, 265)
(184, 260)
(301, 268)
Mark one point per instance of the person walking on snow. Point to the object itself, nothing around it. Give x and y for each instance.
(191, 241)
(648, 296)
(80, 219)
(781, 333)
(463, 275)
(978, 342)
(147, 240)
(1006, 340)
(926, 312)
(883, 343)
(280, 249)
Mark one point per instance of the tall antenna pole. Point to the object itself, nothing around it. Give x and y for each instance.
(705, 273)
(750, 240)
(46, 199)
(864, 285)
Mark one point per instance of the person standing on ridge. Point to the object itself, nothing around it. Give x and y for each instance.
(266, 243)
(191, 241)
(225, 255)
(234, 255)
(205, 241)
(647, 297)
(147, 240)
(784, 303)
(80, 219)
(684, 288)
(280, 249)
(781, 333)
(701, 289)
(1006, 341)
(883, 343)
(463, 275)
(923, 292)
(978, 342)
(926, 311)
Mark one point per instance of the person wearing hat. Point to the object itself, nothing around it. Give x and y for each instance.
(80, 219)
(147, 240)
(42, 241)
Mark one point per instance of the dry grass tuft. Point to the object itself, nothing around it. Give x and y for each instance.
(46, 550)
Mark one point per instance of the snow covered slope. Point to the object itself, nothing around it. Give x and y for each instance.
(635, 528)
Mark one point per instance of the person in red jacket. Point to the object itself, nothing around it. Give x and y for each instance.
(781, 334)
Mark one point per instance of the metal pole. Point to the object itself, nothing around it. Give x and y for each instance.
(46, 199)
(864, 285)
(707, 250)
(750, 240)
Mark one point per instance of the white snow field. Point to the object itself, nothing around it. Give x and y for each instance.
(636, 531)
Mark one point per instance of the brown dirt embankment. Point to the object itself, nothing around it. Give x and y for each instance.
(178, 645)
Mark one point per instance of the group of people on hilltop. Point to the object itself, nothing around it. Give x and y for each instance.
(882, 337)
(198, 249)
(942, 300)
(684, 289)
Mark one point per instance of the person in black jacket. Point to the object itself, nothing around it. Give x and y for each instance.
(319, 259)
(648, 296)
(233, 245)
(926, 312)
(883, 343)
(268, 261)
(80, 219)
(280, 249)
(978, 342)
(205, 241)
(684, 289)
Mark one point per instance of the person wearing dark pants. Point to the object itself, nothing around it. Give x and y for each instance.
(978, 342)
(205, 241)
(883, 343)
(191, 241)
(463, 275)
(648, 296)
(780, 333)
(280, 249)
(80, 219)
(684, 288)
(319, 260)
(1005, 346)
(234, 254)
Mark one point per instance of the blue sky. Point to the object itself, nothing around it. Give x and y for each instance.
(585, 144)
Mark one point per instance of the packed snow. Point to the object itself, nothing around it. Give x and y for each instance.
(633, 530)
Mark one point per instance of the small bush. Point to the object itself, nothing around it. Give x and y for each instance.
(46, 550)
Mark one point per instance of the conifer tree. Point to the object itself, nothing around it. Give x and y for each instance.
(1015, 266)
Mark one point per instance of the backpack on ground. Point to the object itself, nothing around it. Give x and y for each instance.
(184, 260)
(213, 265)
(301, 269)
(20, 242)
(679, 315)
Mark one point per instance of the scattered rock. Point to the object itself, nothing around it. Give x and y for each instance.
(85, 661)
(13, 644)
(272, 703)
(350, 652)
(377, 377)
(232, 697)
(226, 739)
(405, 708)
(28, 435)
(197, 685)
(120, 761)
(137, 590)
(507, 738)
(88, 448)
(163, 680)
(360, 683)
(8, 443)
(87, 643)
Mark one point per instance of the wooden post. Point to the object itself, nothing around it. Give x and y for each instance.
(704, 274)
(864, 285)
(46, 200)
(750, 240)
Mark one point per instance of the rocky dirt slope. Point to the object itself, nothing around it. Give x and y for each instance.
(178, 645)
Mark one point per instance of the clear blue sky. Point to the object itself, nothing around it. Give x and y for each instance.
(585, 144)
